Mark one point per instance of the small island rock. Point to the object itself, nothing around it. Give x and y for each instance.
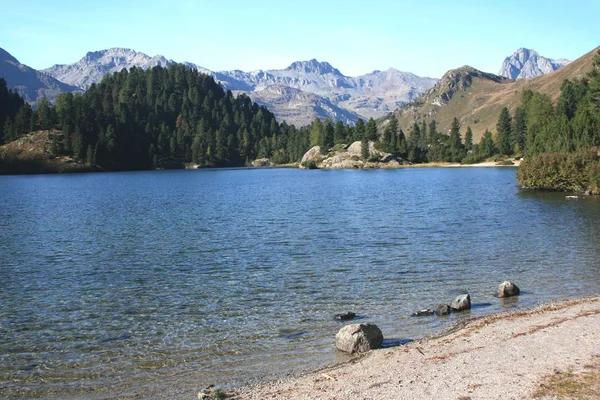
(346, 316)
(462, 302)
(423, 313)
(358, 338)
(508, 289)
(442, 309)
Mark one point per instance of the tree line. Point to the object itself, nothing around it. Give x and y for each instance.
(165, 117)
(158, 118)
(560, 141)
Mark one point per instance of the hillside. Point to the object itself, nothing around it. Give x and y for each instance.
(30, 84)
(295, 106)
(31, 154)
(476, 97)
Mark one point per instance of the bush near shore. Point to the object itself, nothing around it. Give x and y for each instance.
(577, 172)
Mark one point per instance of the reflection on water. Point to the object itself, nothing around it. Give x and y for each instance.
(138, 283)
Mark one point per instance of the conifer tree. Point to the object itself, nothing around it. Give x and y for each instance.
(469, 139)
(503, 128)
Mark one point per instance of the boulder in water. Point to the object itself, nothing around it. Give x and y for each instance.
(423, 313)
(442, 309)
(508, 289)
(462, 302)
(346, 316)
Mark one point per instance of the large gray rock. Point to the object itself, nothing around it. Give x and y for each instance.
(462, 302)
(313, 154)
(358, 338)
(261, 162)
(442, 309)
(508, 289)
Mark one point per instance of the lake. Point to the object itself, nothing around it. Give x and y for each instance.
(157, 284)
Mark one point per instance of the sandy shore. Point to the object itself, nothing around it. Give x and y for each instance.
(503, 356)
(515, 163)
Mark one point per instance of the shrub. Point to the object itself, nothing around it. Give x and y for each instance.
(311, 164)
(472, 158)
(578, 171)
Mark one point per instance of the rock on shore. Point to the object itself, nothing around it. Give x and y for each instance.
(358, 338)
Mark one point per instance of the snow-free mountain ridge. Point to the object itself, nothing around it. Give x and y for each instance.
(525, 63)
(346, 98)
(29, 83)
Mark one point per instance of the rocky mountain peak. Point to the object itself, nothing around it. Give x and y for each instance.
(313, 67)
(528, 63)
(92, 68)
(456, 80)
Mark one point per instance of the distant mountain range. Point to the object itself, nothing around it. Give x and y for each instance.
(297, 94)
(321, 90)
(526, 63)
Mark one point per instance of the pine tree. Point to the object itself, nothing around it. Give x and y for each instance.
(519, 129)
(339, 133)
(371, 130)
(457, 149)
(364, 148)
(390, 133)
(503, 128)
(469, 139)
(433, 133)
(359, 130)
(487, 148)
(316, 133)
(424, 135)
(327, 137)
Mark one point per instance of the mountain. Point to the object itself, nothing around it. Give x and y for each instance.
(29, 83)
(526, 63)
(476, 98)
(370, 95)
(92, 68)
(337, 96)
(297, 107)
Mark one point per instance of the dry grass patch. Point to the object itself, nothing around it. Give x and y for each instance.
(572, 385)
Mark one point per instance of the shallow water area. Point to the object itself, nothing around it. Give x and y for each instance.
(144, 283)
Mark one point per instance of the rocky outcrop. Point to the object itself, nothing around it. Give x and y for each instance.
(313, 154)
(526, 63)
(349, 157)
(261, 162)
(455, 81)
(423, 313)
(507, 289)
(299, 108)
(462, 302)
(358, 338)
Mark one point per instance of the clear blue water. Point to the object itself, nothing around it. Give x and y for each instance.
(156, 284)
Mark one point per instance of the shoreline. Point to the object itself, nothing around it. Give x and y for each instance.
(503, 355)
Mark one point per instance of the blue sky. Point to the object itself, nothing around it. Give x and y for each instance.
(424, 37)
